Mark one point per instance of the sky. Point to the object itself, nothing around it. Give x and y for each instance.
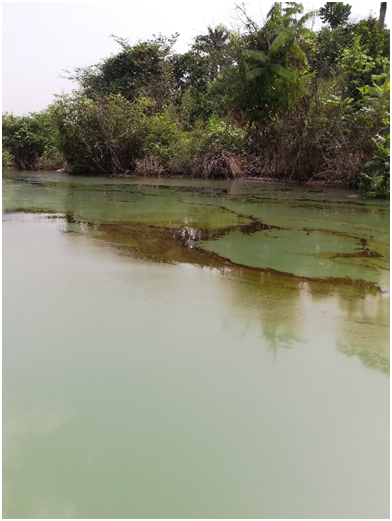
(40, 40)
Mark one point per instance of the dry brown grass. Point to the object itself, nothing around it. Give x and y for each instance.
(217, 165)
(148, 167)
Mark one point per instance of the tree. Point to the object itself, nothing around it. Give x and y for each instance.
(102, 136)
(383, 12)
(376, 106)
(141, 69)
(332, 43)
(270, 76)
(27, 138)
(6, 158)
(335, 13)
(198, 92)
(214, 46)
(365, 57)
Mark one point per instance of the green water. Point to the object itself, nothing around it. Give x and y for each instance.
(193, 349)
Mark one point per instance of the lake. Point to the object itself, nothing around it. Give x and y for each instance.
(179, 348)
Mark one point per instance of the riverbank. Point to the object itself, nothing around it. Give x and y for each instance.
(316, 182)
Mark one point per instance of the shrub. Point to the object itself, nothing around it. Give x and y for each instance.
(6, 158)
(104, 136)
(376, 182)
(27, 138)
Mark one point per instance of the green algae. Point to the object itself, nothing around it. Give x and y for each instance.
(307, 233)
(147, 358)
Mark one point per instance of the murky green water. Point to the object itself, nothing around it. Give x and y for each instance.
(192, 349)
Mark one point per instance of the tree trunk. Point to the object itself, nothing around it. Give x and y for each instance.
(383, 10)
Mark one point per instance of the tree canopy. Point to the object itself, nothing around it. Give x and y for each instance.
(335, 13)
(270, 98)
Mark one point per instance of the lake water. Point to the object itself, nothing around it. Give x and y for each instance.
(193, 349)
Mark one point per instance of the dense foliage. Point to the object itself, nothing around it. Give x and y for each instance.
(274, 100)
(28, 141)
(335, 13)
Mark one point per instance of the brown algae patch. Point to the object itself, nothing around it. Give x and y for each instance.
(188, 245)
(155, 217)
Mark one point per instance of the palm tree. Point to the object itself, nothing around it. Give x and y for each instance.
(383, 12)
(271, 70)
(215, 40)
(214, 48)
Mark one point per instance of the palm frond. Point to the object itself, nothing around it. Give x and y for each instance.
(306, 17)
(303, 31)
(299, 53)
(289, 12)
(255, 73)
(230, 83)
(274, 10)
(273, 26)
(282, 71)
(258, 56)
(284, 35)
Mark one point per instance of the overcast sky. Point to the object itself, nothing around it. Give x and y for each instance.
(42, 39)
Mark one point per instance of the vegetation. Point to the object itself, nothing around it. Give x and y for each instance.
(28, 141)
(376, 99)
(335, 13)
(6, 158)
(274, 100)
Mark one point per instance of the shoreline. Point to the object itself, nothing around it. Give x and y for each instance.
(312, 182)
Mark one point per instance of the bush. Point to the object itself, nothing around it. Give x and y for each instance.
(6, 158)
(218, 164)
(220, 135)
(104, 136)
(161, 134)
(27, 138)
(376, 182)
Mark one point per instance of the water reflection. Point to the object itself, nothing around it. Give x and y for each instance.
(292, 312)
(292, 251)
(282, 304)
(364, 330)
(177, 394)
(307, 233)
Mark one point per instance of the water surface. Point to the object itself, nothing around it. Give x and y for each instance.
(193, 349)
